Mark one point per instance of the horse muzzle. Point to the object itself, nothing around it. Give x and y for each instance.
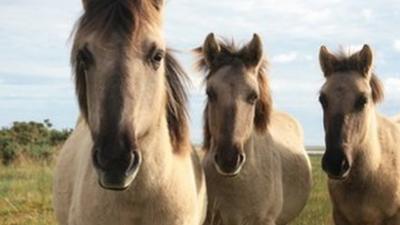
(118, 178)
(336, 165)
(229, 165)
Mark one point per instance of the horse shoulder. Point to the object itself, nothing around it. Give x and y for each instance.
(66, 171)
(389, 133)
(396, 119)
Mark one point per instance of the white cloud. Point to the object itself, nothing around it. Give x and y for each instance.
(396, 45)
(367, 14)
(392, 86)
(49, 92)
(288, 85)
(35, 69)
(285, 58)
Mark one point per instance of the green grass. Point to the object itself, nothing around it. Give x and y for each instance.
(318, 209)
(25, 196)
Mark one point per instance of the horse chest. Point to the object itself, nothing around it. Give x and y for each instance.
(99, 207)
(150, 213)
(243, 204)
(363, 206)
(254, 196)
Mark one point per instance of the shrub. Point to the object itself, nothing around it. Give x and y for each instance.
(36, 141)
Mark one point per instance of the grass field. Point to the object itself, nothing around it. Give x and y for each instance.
(25, 196)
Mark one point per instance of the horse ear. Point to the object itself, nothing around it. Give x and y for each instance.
(327, 61)
(365, 60)
(211, 49)
(253, 53)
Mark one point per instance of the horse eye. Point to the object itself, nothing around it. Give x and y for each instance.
(84, 58)
(156, 57)
(323, 101)
(212, 96)
(360, 103)
(252, 98)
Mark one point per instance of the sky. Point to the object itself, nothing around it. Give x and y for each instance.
(35, 76)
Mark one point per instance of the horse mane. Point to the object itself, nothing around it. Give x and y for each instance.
(347, 61)
(206, 129)
(177, 115)
(377, 89)
(232, 54)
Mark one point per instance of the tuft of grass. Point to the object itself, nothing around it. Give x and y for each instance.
(25, 196)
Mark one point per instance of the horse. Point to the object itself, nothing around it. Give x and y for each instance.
(129, 159)
(257, 170)
(362, 157)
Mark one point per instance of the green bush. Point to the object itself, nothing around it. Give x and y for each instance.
(32, 140)
(9, 153)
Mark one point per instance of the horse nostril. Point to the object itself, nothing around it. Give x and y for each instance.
(216, 158)
(133, 162)
(345, 165)
(96, 159)
(241, 159)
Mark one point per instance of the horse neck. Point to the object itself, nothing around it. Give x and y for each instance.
(157, 151)
(158, 142)
(252, 149)
(369, 157)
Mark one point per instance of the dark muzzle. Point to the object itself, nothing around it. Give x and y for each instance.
(116, 165)
(336, 164)
(229, 161)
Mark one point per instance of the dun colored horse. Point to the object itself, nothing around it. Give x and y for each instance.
(129, 160)
(362, 157)
(257, 169)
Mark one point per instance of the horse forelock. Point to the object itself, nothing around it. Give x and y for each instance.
(126, 18)
(230, 54)
(347, 62)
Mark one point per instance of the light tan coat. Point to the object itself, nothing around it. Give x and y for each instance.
(168, 190)
(274, 184)
(257, 170)
(371, 193)
(362, 157)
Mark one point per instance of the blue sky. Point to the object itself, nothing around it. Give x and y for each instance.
(35, 78)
